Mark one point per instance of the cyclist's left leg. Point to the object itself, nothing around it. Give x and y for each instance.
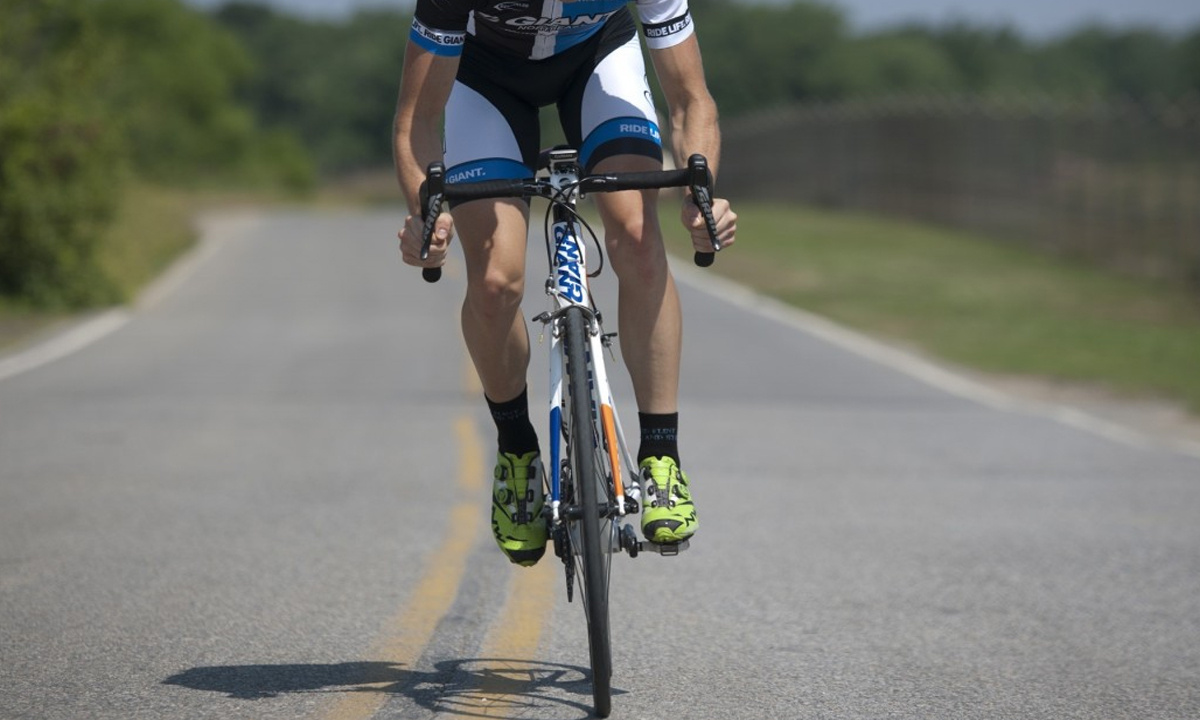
(616, 124)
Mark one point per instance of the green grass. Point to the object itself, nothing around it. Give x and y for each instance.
(153, 226)
(19, 323)
(995, 307)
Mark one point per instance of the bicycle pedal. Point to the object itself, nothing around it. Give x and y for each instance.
(627, 541)
(666, 549)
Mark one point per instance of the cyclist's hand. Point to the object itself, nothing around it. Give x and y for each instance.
(726, 220)
(410, 240)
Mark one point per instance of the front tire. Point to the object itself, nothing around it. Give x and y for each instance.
(590, 484)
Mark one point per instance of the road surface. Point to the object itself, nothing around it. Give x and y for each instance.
(263, 493)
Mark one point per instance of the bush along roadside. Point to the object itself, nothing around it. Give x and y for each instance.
(93, 95)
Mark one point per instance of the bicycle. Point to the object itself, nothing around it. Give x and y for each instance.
(589, 459)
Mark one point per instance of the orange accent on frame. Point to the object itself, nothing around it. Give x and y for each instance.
(610, 439)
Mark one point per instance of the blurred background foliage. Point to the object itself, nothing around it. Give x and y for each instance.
(97, 96)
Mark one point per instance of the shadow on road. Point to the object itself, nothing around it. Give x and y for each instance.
(491, 687)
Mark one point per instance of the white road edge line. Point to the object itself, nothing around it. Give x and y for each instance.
(917, 367)
(84, 333)
(65, 343)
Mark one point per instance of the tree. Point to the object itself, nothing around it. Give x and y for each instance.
(60, 153)
(93, 89)
(896, 62)
(762, 55)
(333, 84)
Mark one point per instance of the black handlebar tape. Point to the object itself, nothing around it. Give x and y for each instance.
(487, 189)
(432, 190)
(651, 180)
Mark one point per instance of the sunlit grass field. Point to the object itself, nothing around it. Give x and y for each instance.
(995, 307)
(152, 227)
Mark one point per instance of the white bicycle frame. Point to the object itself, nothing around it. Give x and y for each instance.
(568, 286)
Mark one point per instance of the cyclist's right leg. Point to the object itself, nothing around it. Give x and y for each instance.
(486, 133)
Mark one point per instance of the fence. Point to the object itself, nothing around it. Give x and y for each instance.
(1118, 183)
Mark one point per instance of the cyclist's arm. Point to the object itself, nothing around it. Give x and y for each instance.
(694, 129)
(417, 129)
(693, 113)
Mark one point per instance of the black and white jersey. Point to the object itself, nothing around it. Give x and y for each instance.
(539, 29)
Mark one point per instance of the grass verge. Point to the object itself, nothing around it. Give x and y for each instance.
(974, 302)
(152, 227)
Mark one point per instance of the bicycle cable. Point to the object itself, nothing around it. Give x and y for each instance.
(559, 199)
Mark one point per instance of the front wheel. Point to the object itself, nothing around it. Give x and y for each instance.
(594, 527)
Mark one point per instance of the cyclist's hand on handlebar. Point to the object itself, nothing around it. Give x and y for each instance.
(411, 240)
(726, 220)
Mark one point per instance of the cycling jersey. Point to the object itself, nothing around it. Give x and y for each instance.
(519, 55)
(539, 29)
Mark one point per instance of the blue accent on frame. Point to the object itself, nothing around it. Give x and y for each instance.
(555, 453)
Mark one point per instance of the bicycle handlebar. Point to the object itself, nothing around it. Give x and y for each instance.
(696, 177)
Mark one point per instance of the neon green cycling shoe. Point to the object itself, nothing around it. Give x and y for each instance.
(668, 515)
(517, 499)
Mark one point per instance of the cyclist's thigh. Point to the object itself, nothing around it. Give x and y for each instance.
(611, 111)
(611, 114)
(489, 135)
(492, 234)
(632, 231)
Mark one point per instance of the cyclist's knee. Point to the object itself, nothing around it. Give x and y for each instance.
(495, 292)
(635, 247)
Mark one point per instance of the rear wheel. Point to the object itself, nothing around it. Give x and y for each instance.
(592, 531)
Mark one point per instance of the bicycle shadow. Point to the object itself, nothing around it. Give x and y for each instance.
(475, 687)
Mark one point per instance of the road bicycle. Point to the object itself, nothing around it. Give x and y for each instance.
(594, 481)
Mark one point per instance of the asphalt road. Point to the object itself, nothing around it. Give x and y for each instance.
(263, 494)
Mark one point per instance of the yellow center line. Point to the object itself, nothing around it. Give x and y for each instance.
(510, 651)
(405, 637)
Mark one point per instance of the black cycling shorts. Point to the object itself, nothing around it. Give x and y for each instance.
(599, 86)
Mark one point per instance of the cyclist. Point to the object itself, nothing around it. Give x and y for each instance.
(486, 67)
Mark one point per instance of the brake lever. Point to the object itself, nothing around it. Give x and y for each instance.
(701, 184)
(432, 190)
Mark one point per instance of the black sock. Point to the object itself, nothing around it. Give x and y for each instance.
(515, 433)
(659, 436)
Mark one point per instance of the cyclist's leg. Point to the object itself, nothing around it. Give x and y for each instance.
(648, 309)
(617, 123)
(487, 137)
